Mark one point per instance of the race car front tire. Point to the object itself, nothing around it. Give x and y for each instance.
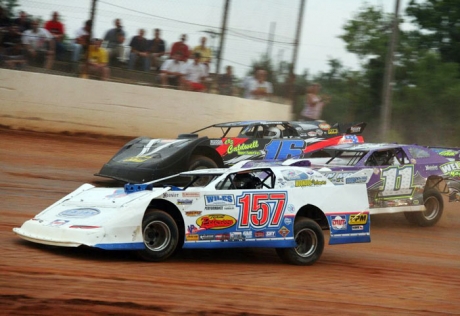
(434, 205)
(310, 243)
(160, 234)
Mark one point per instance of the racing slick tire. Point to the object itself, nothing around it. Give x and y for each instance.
(434, 205)
(201, 162)
(160, 235)
(310, 244)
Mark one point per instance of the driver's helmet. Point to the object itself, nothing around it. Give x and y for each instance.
(244, 181)
(273, 132)
(383, 158)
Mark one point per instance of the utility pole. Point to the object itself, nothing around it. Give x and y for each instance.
(385, 112)
(91, 17)
(294, 55)
(271, 37)
(222, 35)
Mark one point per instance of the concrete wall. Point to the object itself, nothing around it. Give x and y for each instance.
(52, 103)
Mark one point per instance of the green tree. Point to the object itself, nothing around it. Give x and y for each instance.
(9, 5)
(439, 24)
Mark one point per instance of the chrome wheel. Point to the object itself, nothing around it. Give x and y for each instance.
(157, 235)
(432, 208)
(307, 242)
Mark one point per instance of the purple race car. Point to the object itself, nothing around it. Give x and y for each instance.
(406, 178)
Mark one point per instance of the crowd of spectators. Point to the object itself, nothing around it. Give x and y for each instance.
(23, 41)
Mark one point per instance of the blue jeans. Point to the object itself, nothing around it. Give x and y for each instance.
(76, 51)
(133, 58)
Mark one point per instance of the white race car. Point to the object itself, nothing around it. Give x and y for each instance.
(266, 205)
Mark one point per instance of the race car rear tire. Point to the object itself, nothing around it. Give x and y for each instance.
(160, 235)
(434, 205)
(310, 243)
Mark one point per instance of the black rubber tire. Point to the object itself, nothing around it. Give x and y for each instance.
(201, 162)
(310, 243)
(434, 207)
(160, 235)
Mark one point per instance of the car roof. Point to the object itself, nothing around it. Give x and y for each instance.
(365, 147)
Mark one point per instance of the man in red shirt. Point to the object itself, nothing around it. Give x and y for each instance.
(56, 28)
(182, 48)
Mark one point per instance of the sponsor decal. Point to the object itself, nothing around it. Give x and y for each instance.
(190, 194)
(359, 227)
(237, 236)
(270, 234)
(284, 231)
(58, 222)
(431, 168)
(451, 168)
(247, 234)
(259, 234)
(243, 149)
(319, 132)
(339, 222)
(337, 177)
(287, 220)
(347, 139)
(309, 183)
(170, 195)
(137, 159)
(219, 200)
(294, 175)
(333, 131)
(193, 237)
(448, 153)
(216, 221)
(357, 219)
(79, 212)
(213, 208)
(191, 229)
(193, 213)
(207, 237)
(216, 142)
(355, 129)
(223, 237)
(311, 134)
(116, 194)
(291, 208)
(184, 201)
(352, 180)
(324, 126)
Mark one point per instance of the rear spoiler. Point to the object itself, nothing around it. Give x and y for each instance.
(351, 128)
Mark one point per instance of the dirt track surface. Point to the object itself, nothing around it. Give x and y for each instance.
(405, 270)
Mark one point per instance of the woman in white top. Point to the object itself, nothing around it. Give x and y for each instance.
(314, 103)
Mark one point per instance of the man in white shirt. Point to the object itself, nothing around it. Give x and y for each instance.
(195, 73)
(260, 89)
(39, 45)
(171, 71)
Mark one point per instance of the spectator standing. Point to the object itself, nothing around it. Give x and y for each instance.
(260, 88)
(245, 84)
(139, 50)
(157, 49)
(98, 59)
(39, 45)
(56, 28)
(115, 38)
(81, 41)
(225, 82)
(205, 52)
(314, 103)
(11, 49)
(22, 22)
(182, 48)
(171, 71)
(195, 74)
